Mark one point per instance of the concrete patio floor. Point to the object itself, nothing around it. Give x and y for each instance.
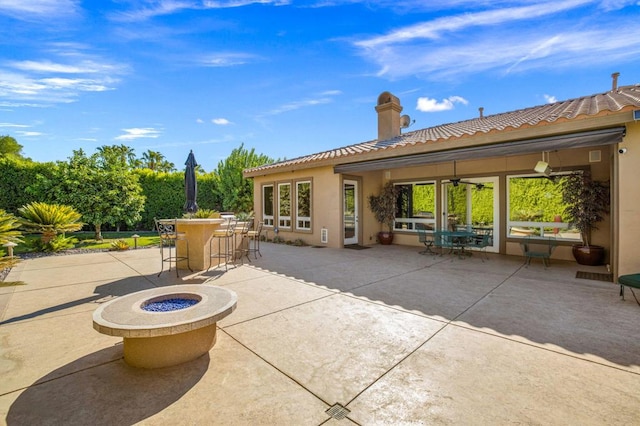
(394, 337)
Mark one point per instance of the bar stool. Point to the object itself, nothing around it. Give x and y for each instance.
(168, 238)
(224, 238)
(242, 240)
(254, 240)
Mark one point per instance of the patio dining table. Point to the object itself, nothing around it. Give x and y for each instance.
(455, 241)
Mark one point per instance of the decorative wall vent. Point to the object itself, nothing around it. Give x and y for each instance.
(595, 156)
(324, 235)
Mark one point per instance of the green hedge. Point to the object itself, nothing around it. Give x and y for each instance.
(165, 195)
(15, 177)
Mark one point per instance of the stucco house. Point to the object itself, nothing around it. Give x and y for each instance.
(321, 198)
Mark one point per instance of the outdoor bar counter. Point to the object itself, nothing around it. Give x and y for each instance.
(198, 232)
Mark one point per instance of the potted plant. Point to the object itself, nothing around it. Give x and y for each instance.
(587, 201)
(384, 208)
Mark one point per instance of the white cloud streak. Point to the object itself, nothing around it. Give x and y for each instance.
(138, 133)
(515, 39)
(227, 59)
(39, 9)
(168, 7)
(60, 79)
(292, 106)
(437, 28)
(13, 125)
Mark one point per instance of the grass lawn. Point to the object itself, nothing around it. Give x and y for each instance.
(87, 241)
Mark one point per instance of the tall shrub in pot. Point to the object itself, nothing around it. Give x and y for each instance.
(587, 202)
(384, 207)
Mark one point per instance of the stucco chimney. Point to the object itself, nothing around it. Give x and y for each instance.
(388, 110)
(614, 83)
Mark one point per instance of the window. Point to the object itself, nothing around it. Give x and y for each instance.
(284, 205)
(303, 205)
(416, 205)
(535, 208)
(267, 205)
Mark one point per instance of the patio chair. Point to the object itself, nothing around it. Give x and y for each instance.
(242, 246)
(540, 248)
(442, 240)
(425, 238)
(482, 240)
(254, 240)
(632, 281)
(169, 236)
(223, 237)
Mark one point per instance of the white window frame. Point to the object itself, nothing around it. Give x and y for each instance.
(409, 224)
(268, 218)
(538, 227)
(303, 223)
(284, 221)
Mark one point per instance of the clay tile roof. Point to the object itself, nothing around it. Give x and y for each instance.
(612, 101)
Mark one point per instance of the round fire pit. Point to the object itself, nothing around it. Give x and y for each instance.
(165, 326)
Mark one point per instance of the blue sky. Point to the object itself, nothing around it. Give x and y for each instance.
(287, 77)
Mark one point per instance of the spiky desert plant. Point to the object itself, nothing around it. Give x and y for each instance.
(9, 233)
(49, 219)
(119, 245)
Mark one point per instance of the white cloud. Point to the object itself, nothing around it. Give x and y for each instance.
(83, 66)
(168, 7)
(60, 79)
(227, 59)
(220, 121)
(39, 9)
(139, 133)
(425, 104)
(543, 36)
(199, 120)
(27, 134)
(12, 125)
(550, 99)
(324, 98)
(437, 28)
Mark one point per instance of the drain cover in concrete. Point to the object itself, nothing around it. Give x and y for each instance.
(337, 411)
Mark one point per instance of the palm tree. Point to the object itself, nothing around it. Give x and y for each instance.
(117, 156)
(49, 219)
(155, 161)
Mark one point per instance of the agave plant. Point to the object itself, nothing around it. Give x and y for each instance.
(244, 216)
(9, 233)
(203, 214)
(9, 225)
(119, 245)
(49, 219)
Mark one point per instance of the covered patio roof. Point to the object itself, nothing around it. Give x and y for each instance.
(527, 146)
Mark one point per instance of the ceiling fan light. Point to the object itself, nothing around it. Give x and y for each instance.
(543, 167)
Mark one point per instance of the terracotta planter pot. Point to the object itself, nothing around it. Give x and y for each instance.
(385, 238)
(588, 255)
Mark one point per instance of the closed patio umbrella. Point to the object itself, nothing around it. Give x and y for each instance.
(190, 184)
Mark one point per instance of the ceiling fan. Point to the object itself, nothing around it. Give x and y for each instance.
(455, 180)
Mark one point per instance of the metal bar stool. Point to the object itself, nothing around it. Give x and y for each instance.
(241, 242)
(168, 239)
(224, 238)
(254, 240)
